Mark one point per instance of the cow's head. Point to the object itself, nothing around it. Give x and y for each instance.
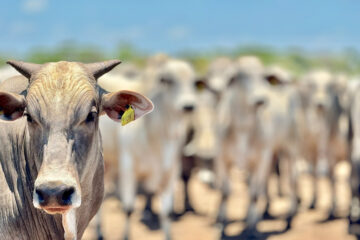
(61, 107)
(320, 91)
(178, 84)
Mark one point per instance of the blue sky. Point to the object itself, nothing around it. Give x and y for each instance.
(171, 26)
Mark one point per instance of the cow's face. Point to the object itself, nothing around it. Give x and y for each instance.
(62, 108)
(250, 87)
(321, 91)
(203, 143)
(178, 82)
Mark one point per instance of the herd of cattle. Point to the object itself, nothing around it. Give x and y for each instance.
(240, 114)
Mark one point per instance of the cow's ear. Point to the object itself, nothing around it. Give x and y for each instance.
(201, 84)
(12, 106)
(126, 106)
(273, 80)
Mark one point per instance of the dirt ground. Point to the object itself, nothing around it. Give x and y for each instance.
(308, 224)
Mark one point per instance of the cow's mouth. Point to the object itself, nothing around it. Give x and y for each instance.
(56, 210)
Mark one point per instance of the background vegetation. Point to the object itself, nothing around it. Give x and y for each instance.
(294, 59)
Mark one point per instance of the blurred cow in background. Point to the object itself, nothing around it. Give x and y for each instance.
(155, 165)
(234, 122)
(353, 104)
(257, 117)
(125, 76)
(324, 138)
(201, 145)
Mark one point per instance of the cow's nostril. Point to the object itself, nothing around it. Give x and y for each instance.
(320, 107)
(66, 196)
(259, 102)
(40, 196)
(188, 108)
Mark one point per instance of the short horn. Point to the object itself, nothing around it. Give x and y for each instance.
(100, 68)
(25, 68)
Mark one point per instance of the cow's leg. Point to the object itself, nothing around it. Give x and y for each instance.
(266, 213)
(224, 182)
(170, 175)
(166, 207)
(188, 206)
(149, 217)
(331, 213)
(314, 190)
(278, 175)
(258, 189)
(225, 191)
(276, 161)
(148, 203)
(354, 212)
(293, 191)
(128, 188)
(188, 163)
(167, 200)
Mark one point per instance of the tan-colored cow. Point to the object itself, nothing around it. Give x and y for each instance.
(51, 164)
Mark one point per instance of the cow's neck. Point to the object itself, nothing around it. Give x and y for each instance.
(19, 172)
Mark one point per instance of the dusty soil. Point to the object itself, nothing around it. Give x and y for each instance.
(308, 224)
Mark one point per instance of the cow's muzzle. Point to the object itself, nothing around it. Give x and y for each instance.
(54, 197)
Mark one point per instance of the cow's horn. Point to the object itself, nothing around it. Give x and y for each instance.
(100, 68)
(25, 68)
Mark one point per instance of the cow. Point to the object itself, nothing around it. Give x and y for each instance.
(256, 123)
(125, 76)
(325, 143)
(353, 100)
(170, 83)
(201, 146)
(51, 164)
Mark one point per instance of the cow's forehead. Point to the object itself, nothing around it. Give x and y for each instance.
(321, 78)
(180, 70)
(60, 87)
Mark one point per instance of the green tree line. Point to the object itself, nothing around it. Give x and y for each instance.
(294, 59)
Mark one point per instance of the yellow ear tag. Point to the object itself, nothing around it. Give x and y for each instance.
(1, 112)
(128, 116)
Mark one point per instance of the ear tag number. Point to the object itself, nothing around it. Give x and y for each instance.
(128, 116)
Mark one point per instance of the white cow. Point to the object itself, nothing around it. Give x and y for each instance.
(325, 141)
(156, 165)
(353, 100)
(257, 122)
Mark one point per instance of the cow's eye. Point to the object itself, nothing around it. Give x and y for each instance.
(28, 118)
(200, 85)
(166, 80)
(91, 117)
